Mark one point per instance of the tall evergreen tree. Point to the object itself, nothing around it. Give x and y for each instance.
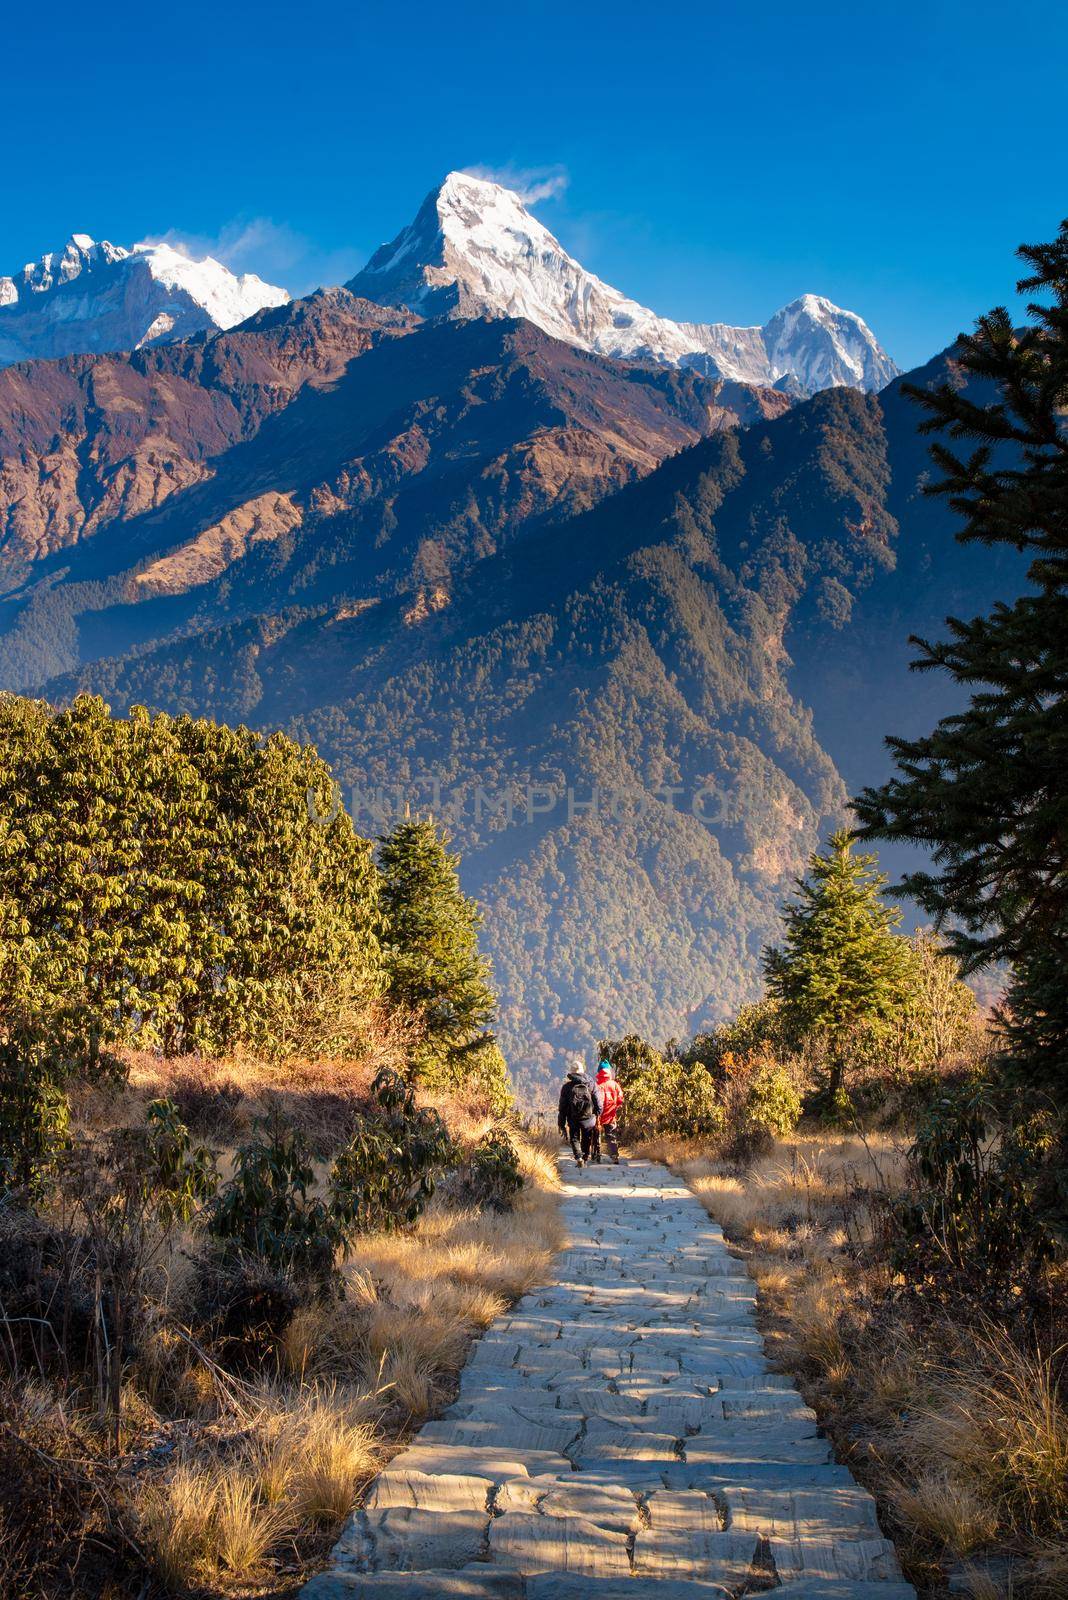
(986, 790)
(433, 965)
(840, 965)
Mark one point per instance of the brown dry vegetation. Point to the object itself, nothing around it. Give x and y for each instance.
(233, 1480)
(958, 1427)
(224, 1099)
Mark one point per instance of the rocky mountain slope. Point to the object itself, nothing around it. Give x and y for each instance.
(329, 447)
(475, 249)
(93, 296)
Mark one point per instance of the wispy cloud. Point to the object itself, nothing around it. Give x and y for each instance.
(280, 254)
(530, 183)
(272, 250)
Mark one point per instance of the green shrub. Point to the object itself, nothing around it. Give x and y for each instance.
(936, 1023)
(114, 1200)
(772, 1101)
(266, 1211)
(476, 1070)
(492, 1176)
(157, 1169)
(34, 1114)
(193, 882)
(630, 1056)
(387, 1172)
(971, 1221)
(243, 1305)
(940, 1013)
(837, 1108)
(39, 1058)
(698, 1109)
(756, 1030)
(674, 1097)
(763, 1103)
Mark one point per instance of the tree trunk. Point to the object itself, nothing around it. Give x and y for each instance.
(834, 1082)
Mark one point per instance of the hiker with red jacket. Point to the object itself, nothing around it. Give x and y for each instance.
(577, 1118)
(609, 1095)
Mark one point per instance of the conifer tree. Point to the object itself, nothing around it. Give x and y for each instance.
(433, 965)
(840, 965)
(985, 792)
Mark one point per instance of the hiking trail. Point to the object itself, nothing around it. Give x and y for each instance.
(617, 1434)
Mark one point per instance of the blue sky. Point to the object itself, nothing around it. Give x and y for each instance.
(719, 158)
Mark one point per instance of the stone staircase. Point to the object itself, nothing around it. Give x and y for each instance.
(618, 1434)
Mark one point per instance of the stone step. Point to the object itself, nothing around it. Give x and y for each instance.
(469, 1460)
(533, 1543)
(799, 1515)
(607, 1506)
(851, 1589)
(487, 1583)
(507, 1431)
(707, 1555)
(834, 1560)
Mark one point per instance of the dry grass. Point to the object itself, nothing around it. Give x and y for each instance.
(298, 1464)
(358, 1372)
(414, 1300)
(230, 1484)
(953, 1513)
(60, 1529)
(174, 1524)
(999, 1423)
(960, 1432)
(1047, 1571)
(243, 1527)
(314, 1446)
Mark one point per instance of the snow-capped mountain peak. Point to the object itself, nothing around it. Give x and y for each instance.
(226, 298)
(475, 249)
(828, 342)
(94, 296)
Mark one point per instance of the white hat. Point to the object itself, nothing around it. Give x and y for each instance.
(578, 1066)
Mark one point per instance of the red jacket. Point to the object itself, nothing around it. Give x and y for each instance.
(612, 1096)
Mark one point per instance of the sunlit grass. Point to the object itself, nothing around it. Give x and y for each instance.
(962, 1434)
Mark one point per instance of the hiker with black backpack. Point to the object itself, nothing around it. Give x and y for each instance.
(577, 1118)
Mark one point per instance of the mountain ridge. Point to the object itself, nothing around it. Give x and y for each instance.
(325, 445)
(475, 248)
(629, 630)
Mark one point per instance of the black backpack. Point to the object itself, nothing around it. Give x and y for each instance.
(579, 1101)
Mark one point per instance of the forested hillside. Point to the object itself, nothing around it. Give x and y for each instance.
(708, 640)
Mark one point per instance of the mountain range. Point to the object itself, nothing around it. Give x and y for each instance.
(634, 630)
(475, 249)
(93, 296)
